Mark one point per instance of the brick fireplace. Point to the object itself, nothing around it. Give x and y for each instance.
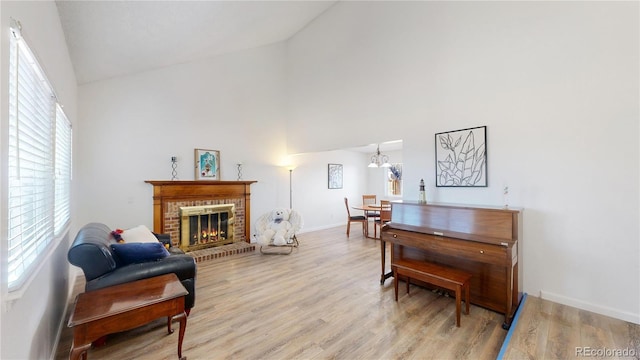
(170, 196)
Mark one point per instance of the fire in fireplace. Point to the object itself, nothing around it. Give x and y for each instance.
(206, 226)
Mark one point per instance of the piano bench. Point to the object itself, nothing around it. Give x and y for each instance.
(445, 277)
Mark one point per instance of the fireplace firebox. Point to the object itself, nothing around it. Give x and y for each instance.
(206, 226)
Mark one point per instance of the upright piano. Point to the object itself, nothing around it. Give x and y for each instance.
(480, 240)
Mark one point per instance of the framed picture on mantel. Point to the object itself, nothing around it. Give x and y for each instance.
(207, 164)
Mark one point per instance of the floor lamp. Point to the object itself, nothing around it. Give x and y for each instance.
(290, 189)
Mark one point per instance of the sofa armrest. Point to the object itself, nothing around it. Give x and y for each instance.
(166, 240)
(91, 251)
(183, 266)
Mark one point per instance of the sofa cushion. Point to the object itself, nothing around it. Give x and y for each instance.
(138, 234)
(134, 253)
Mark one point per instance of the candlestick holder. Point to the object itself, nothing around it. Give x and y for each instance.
(239, 166)
(174, 168)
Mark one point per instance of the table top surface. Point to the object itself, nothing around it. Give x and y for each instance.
(369, 207)
(121, 298)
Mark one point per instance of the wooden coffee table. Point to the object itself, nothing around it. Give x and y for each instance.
(126, 306)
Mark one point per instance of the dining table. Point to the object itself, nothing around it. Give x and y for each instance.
(368, 209)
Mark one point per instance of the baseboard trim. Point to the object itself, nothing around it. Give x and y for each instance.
(304, 230)
(512, 328)
(602, 310)
(74, 272)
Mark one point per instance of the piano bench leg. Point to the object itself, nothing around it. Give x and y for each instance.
(450, 279)
(466, 297)
(395, 283)
(458, 304)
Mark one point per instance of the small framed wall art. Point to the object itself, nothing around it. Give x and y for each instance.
(207, 164)
(461, 158)
(335, 176)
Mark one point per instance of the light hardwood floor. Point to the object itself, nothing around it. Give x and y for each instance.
(547, 330)
(324, 301)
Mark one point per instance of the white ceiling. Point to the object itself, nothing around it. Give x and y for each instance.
(109, 38)
(394, 145)
(114, 38)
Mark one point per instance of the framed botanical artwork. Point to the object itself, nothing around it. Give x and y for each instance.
(335, 176)
(461, 158)
(207, 164)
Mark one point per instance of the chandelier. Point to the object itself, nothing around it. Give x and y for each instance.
(379, 160)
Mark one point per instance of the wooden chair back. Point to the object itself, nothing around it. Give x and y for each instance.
(385, 211)
(346, 204)
(384, 216)
(368, 199)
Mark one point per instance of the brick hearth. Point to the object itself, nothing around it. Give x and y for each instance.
(222, 251)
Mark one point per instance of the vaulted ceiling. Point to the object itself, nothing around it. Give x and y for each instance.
(113, 38)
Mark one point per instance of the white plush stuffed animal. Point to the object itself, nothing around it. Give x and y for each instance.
(278, 228)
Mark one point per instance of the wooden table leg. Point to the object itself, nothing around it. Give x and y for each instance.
(383, 261)
(183, 325)
(76, 352)
(383, 255)
(169, 329)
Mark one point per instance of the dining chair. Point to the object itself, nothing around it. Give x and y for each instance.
(385, 216)
(356, 218)
(370, 200)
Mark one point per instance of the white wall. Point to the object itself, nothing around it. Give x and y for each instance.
(133, 125)
(320, 206)
(31, 323)
(555, 83)
(235, 103)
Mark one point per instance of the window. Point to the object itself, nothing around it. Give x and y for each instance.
(62, 177)
(39, 164)
(394, 180)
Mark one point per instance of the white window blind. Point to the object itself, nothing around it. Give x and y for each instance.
(62, 171)
(33, 155)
